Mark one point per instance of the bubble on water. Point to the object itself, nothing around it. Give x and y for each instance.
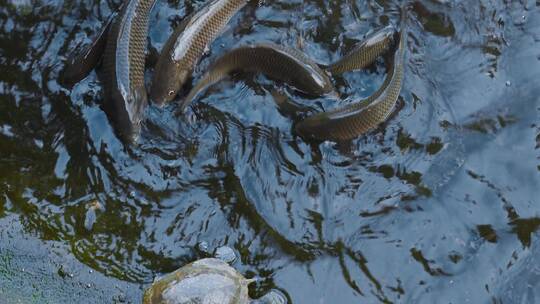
(226, 254)
(203, 247)
(274, 296)
(520, 19)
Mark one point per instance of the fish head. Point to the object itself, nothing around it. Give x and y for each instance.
(315, 83)
(384, 35)
(303, 129)
(168, 80)
(139, 102)
(128, 132)
(313, 127)
(126, 113)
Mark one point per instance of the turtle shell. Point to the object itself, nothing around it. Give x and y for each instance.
(206, 281)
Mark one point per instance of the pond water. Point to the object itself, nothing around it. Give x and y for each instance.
(441, 204)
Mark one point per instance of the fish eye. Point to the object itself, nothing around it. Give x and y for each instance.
(171, 93)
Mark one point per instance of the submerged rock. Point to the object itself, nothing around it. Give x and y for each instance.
(208, 281)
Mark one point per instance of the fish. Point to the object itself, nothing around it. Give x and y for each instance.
(186, 46)
(122, 75)
(365, 53)
(288, 107)
(85, 58)
(275, 61)
(355, 119)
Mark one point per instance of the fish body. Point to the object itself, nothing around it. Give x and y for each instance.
(366, 52)
(285, 64)
(186, 46)
(84, 59)
(123, 68)
(355, 119)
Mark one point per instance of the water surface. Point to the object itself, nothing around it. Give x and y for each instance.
(439, 204)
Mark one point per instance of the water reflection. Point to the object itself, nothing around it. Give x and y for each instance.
(397, 215)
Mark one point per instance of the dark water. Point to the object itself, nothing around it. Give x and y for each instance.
(440, 204)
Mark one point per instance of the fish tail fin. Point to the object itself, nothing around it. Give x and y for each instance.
(404, 12)
(400, 35)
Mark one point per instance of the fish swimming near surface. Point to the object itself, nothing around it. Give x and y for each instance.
(123, 68)
(85, 58)
(186, 46)
(352, 120)
(361, 56)
(365, 53)
(285, 64)
(120, 46)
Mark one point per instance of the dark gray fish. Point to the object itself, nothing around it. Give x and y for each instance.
(85, 58)
(186, 46)
(355, 119)
(289, 108)
(123, 69)
(286, 64)
(366, 52)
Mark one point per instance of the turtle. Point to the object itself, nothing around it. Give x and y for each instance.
(205, 281)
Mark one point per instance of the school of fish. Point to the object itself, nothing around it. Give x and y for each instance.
(119, 51)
